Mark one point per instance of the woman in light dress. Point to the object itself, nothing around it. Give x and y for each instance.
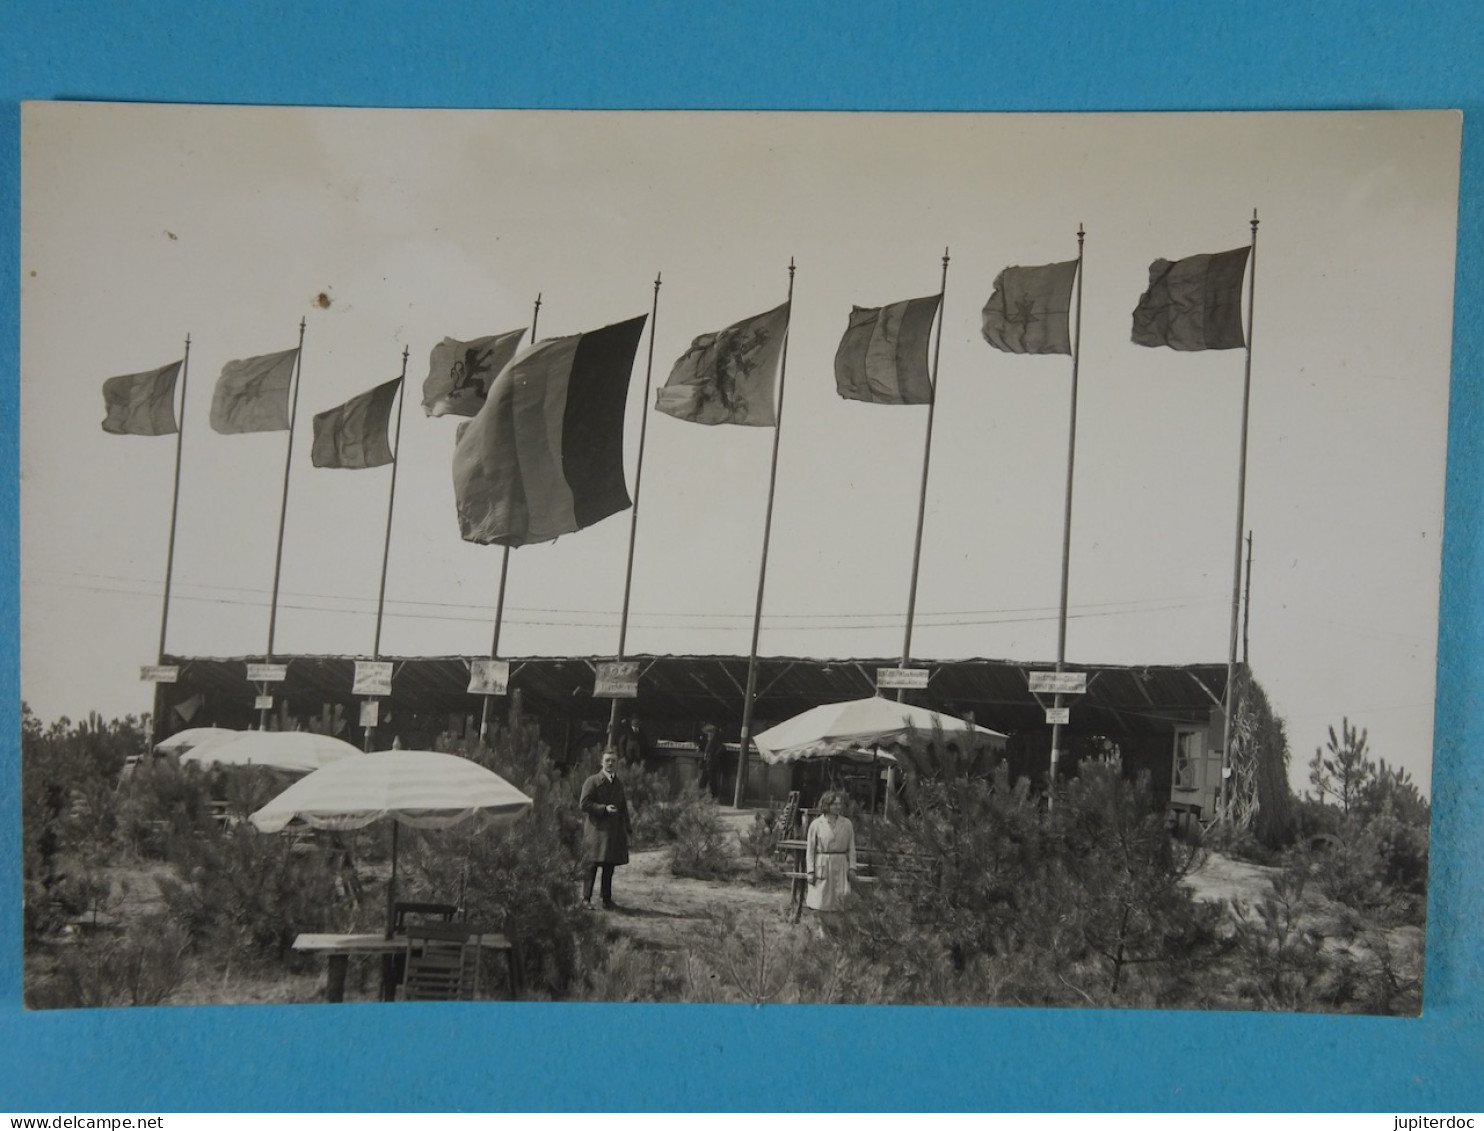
(829, 854)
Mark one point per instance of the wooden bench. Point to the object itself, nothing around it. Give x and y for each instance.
(338, 949)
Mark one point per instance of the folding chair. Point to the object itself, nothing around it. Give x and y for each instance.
(439, 967)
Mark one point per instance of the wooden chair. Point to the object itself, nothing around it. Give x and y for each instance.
(406, 914)
(788, 816)
(440, 965)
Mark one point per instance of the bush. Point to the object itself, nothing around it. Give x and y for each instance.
(162, 801)
(626, 972)
(144, 967)
(701, 848)
(1238, 843)
(245, 894)
(1371, 848)
(760, 839)
(992, 899)
(653, 814)
(69, 811)
(521, 881)
(1282, 954)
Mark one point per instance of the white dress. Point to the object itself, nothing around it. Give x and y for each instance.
(829, 855)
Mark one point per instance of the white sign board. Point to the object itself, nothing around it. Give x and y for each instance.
(1059, 715)
(617, 680)
(489, 677)
(159, 673)
(263, 703)
(370, 712)
(902, 677)
(373, 677)
(1059, 683)
(267, 673)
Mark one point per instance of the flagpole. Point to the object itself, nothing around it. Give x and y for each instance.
(762, 573)
(1066, 530)
(391, 498)
(185, 367)
(1247, 597)
(628, 577)
(927, 452)
(484, 710)
(283, 511)
(1231, 661)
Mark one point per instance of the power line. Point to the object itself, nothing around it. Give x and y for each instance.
(705, 622)
(961, 616)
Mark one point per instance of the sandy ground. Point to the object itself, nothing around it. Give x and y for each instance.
(658, 909)
(1220, 877)
(665, 910)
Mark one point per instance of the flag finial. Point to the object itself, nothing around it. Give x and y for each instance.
(790, 267)
(1254, 221)
(405, 352)
(656, 280)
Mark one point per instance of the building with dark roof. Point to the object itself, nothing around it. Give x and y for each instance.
(1164, 720)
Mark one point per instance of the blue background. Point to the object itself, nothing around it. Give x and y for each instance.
(1059, 55)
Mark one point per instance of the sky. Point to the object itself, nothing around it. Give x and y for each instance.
(387, 230)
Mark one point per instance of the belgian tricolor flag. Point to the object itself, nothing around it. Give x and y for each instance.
(544, 456)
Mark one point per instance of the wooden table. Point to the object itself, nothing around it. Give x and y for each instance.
(339, 949)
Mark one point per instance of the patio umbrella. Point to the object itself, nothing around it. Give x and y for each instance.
(183, 740)
(418, 788)
(298, 751)
(842, 728)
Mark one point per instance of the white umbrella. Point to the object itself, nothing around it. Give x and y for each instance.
(183, 740)
(419, 788)
(298, 751)
(839, 728)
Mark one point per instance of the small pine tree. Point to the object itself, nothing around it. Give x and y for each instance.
(1346, 770)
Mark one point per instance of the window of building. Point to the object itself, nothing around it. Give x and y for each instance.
(1187, 758)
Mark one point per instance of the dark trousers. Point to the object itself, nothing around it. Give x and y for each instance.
(605, 889)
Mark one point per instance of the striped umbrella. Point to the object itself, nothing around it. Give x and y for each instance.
(297, 751)
(836, 728)
(183, 740)
(418, 788)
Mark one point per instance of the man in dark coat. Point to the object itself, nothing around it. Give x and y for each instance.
(605, 839)
(633, 744)
(713, 757)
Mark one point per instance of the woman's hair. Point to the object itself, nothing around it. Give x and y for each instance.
(830, 796)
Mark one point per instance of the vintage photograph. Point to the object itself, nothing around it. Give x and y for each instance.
(760, 558)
